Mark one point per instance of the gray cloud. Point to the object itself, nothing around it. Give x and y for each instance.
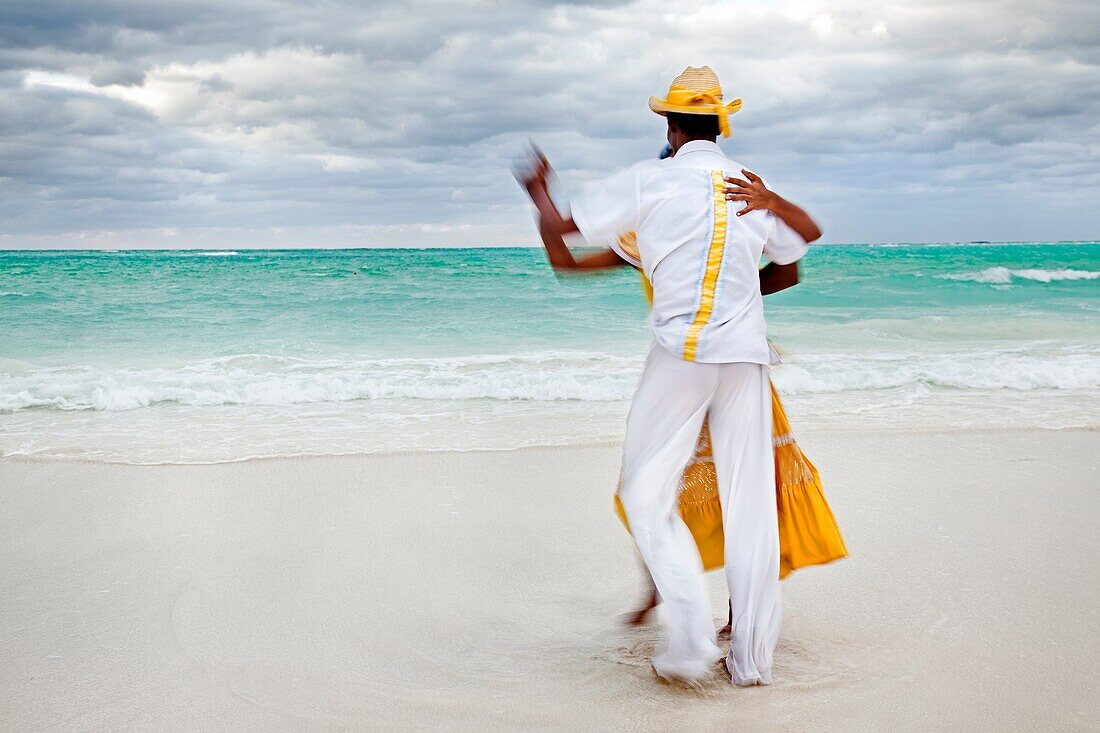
(260, 122)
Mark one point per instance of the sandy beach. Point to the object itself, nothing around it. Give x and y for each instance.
(484, 591)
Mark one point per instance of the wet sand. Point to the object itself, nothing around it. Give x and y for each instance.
(483, 591)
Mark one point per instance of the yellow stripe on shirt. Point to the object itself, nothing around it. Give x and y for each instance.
(714, 264)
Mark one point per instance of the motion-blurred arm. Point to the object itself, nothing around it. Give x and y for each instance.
(551, 221)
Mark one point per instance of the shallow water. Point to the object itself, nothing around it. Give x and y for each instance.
(118, 355)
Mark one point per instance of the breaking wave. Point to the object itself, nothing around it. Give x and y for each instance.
(267, 380)
(528, 377)
(1005, 276)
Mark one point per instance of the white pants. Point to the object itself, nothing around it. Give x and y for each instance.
(668, 411)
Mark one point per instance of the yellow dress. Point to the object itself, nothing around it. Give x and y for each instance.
(808, 532)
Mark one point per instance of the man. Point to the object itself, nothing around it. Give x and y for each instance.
(700, 246)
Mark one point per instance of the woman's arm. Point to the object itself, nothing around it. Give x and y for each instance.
(757, 196)
(775, 277)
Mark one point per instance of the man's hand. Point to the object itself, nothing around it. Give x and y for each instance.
(753, 192)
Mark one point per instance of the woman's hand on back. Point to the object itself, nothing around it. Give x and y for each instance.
(753, 192)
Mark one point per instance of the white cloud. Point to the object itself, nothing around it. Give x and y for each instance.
(823, 25)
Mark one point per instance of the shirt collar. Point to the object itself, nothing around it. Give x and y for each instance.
(694, 146)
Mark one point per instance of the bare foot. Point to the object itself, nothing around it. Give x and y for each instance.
(684, 683)
(726, 671)
(638, 617)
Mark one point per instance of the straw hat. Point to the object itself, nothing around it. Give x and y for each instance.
(697, 92)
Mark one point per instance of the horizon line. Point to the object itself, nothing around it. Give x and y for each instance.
(250, 248)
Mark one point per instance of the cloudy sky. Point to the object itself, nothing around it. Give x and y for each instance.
(202, 123)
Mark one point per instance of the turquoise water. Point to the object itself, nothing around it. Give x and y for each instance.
(116, 355)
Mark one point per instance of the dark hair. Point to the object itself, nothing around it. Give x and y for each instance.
(695, 126)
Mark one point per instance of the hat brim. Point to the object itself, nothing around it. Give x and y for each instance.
(662, 107)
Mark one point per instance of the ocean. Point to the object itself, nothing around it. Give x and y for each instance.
(204, 356)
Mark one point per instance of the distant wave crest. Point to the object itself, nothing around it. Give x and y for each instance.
(1005, 276)
(825, 373)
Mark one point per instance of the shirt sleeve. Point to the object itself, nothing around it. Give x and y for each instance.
(784, 245)
(608, 208)
(626, 246)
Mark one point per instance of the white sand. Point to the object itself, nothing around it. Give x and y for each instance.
(482, 591)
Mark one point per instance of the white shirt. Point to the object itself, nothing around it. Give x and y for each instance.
(702, 259)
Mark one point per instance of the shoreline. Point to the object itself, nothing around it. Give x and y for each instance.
(483, 591)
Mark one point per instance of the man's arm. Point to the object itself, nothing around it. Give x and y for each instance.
(757, 197)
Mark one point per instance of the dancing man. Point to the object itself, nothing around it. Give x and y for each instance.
(700, 247)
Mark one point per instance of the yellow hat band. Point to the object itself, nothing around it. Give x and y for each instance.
(694, 102)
